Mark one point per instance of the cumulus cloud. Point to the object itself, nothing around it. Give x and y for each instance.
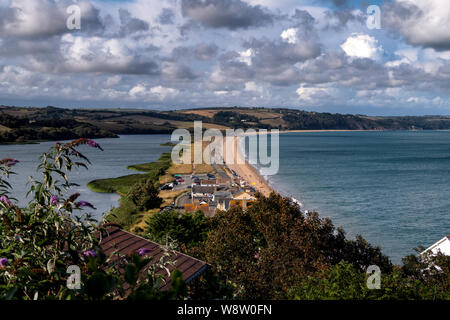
(421, 23)
(94, 54)
(310, 93)
(43, 18)
(290, 35)
(129, 24)
(362, 46)
(221, 52)
(157, 92)
(230, 14)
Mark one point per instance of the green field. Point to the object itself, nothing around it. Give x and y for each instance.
(122, 185)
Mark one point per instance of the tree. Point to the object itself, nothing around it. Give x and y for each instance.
(264, 250)
(187, 229)
(144, 195)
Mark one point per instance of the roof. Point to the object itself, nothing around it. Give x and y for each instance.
(126, 243)
(244, 196)
(442, 245)
(202, 189)
(223, 195)
(204, 182)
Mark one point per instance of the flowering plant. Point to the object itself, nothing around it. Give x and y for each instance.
(39, 242)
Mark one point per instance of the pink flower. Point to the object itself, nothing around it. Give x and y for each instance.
(256, 255)
(5, 201)
(143, 251)
(89, 253)
(4, 262)
(94, 144)
(9, 162)
(82, 204)
(54, 200)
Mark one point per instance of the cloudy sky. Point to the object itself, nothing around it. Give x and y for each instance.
(164, 54)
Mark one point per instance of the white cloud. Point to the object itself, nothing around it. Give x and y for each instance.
(362, 46)
(159, 92)
(246, 56)
(290, 35)
(422, 23)
(311, 93)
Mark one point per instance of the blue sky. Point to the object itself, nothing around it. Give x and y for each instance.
(170, 54)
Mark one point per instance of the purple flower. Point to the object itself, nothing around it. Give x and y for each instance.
(9, 162)
(143, 251)
(12, 162)
(89, 253)
(94, 144)
(54, 200)
(4, 262)
(5, 201)
(82, 204)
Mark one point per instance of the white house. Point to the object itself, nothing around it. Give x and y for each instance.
(442, 245)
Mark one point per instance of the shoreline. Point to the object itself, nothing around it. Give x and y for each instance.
(248, 172)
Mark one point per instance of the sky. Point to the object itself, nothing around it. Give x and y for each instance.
(317, 55)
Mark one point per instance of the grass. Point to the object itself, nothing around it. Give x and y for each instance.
(162, 170)
(169, 196)
(122, 185)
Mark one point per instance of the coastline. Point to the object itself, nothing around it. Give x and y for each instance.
(248, 172)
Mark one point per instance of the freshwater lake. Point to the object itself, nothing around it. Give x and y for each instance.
(393, 188)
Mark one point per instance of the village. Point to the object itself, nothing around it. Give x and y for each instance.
(211, 192)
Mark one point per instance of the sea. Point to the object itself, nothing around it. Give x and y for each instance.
(393, 188)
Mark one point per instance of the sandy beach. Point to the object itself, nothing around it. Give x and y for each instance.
(249, 173)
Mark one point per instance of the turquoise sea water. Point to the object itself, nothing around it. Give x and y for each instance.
(391, 187)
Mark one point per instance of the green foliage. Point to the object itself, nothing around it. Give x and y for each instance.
(343, 281)
(187, 229)
(144, 195)
(48, 129)
(39, 242)
(122, 185)
(270, 246)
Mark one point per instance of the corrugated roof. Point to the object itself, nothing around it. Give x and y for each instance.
(126, 243)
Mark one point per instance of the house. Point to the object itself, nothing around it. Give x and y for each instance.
(124, 243)
(202, 192)
(223, 199)
(243, 199)
(202, 206)
(208, 183)
(442, 246)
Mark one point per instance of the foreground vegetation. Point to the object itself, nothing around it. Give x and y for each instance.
(269, 251)
(273, 251)
(39, 242)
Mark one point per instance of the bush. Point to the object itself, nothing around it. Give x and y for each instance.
(144, 195)
(38, 243)
(187, 229)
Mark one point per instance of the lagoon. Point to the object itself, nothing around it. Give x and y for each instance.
(112, 162)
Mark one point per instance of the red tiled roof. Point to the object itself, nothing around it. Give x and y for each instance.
(126, 243)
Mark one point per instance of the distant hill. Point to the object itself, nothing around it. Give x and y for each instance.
(22, 125)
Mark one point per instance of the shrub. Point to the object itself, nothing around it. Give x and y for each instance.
(39, 242)
(144, 195)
